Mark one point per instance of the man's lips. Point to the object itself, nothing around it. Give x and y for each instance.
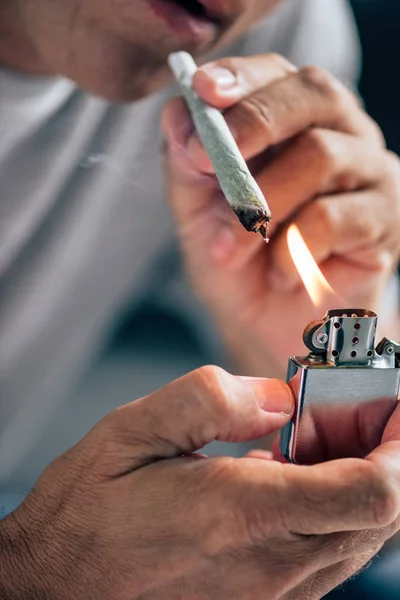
(199, 19)
(223, 10)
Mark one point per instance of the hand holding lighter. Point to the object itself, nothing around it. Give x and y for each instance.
(343, 373)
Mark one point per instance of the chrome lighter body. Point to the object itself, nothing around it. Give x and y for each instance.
(342, 378)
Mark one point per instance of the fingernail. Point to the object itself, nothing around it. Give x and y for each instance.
(223, 78)
(279, 398)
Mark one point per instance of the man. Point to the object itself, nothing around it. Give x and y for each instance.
(109, 518)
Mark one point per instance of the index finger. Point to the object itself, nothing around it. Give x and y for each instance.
(337, 496)
(288, 106)
(310, 98)
(342, 431)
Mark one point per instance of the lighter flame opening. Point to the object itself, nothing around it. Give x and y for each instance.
(315, 283)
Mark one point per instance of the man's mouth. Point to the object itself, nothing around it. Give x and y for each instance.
(199, 10)
(191, 19)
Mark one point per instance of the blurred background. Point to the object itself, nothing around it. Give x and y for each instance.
(379, 27)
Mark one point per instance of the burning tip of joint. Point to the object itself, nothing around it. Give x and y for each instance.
(261, 226)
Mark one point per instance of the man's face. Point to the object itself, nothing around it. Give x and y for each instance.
(118, 48)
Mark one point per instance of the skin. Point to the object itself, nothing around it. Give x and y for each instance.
(322, 163)
(125, 515)
(131, 512)
(116, 49)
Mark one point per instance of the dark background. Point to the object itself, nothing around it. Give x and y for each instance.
(379, 27)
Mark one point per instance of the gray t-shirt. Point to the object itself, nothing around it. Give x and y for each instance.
(85, 229)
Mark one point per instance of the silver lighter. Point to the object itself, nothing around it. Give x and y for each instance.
(343, 372)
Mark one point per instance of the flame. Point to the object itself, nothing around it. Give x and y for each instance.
(315, 283)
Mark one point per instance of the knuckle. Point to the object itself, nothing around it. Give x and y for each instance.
(281, 62)
(210, 383)
(330, 216)
(364, 229)
(386, 508)
(384, 496)
(345, 181)
(111, 427)
(208, 376)
(391, 181)
(376, 132)
(390, 186)
(324, 213)
(318, 143)
(326, 85)
(257, 114)
(393, 161)
(107, 424)
(313, 76)
(102, 441)
(319, 78)
(392, 170)
(227, 528)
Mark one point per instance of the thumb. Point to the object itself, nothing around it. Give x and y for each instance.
(205, 405)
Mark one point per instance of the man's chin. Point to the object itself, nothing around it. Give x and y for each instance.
(122, 84)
